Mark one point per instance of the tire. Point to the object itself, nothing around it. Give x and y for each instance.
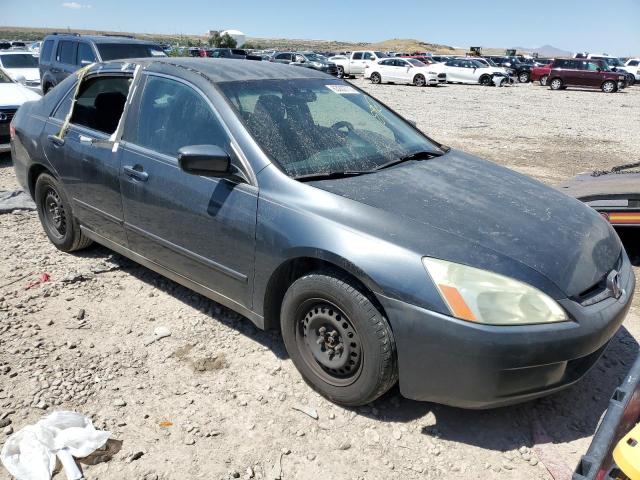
(524, 77)
(337, 338)
(375, 78)
(46, 88)
(556, 84)
(485, 80)
(609, 86)
(631, 80)
(543, 80)
(340, 73)
(419, 80)
(56, 216)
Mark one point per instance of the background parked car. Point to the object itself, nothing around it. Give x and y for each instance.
(541, 73)
(237, 53)
(617, 66)
(632, 65)
(523, 71)
(580, 72)
(12, 95)
(307, 60)
(404, 70)
(22, 67)
(64, 53)
(469, 70)
(355, 63)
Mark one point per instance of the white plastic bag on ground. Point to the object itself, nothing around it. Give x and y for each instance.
(30, 453)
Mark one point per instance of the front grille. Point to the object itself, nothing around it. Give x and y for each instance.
(598, 292)
(442, 75)
(6, 114)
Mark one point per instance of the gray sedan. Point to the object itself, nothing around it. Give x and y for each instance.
(307, 206)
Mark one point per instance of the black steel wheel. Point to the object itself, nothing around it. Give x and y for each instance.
(56, 215)
(337, 338)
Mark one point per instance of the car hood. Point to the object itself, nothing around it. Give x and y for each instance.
(13, 94)
(483, 208)
(28, 73)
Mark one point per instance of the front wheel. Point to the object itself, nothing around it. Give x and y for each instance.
(486, 80)
(375, 78)
(337, 338)
(609, 86)
(419, 81)
(556, 84)
(543, 80)
(56, 216)
(340, 73)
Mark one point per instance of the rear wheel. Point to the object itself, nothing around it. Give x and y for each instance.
(543, 80)
(609, 86)
(419, 80)
(340, 73)
(556, 84)
(375, 78)
(56, 216)
(337, 338)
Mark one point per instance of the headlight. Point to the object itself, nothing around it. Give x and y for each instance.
(485, 297)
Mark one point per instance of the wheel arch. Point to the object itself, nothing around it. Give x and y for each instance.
(34, 172)
(295, 267)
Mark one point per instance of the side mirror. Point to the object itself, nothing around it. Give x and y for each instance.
(20, 79)
(205, 160)
(85, 62)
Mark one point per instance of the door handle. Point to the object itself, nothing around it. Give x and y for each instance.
(85, 139)
(57, 141)
(136, 173)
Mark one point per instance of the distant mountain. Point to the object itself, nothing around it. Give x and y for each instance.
(546, 51)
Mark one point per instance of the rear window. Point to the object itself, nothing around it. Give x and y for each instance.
(25, 60)
(45, 53)
(117, 51)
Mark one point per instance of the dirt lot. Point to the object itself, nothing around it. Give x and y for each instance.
(216, 398)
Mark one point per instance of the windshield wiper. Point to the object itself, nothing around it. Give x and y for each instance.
(330, 175)
(421, 155)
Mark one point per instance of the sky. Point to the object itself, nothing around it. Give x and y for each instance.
(574, 25)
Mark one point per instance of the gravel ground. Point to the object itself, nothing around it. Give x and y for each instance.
(219, 399)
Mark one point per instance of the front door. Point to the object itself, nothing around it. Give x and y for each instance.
(84, 158)
(200, 228)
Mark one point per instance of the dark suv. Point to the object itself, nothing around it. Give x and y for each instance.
(521, 71)
(64, 53)
(582, 72)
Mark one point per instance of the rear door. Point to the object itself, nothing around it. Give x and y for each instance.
(197, 227)
(65, 61)
(84, 158)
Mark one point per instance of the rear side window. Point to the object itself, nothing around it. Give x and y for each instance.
(173, 115)
(65, 105)
(100, 103)
(67, 52)
(633, 63)
(45, 53)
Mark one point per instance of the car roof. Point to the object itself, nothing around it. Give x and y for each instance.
(218, 69)
(100, 38)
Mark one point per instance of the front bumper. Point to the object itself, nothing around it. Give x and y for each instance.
(464, 364)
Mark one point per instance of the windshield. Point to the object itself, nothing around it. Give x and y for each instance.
(116, 51)
(322, 126)
(25, 60)
(478, 64)
(490, 62)
(614, 62)
(414, 62)
(4, 78)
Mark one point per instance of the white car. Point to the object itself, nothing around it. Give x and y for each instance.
(633, 66)
(404, 70)
(22, 66)
(469, 70)
(12, 95)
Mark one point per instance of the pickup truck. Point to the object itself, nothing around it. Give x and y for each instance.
(355, 63)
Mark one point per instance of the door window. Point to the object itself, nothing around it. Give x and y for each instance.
(593, 66)
(173, 115)
(85, 54)
(65, 105)
(100, 103)
(357, 56)
(67, 52)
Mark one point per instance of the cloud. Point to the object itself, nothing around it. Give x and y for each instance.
(75, 5)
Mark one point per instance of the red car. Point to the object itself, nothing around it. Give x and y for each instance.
(421, 58)
(586, 73)
(541, 73)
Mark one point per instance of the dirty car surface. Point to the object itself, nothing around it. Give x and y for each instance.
(302, 203)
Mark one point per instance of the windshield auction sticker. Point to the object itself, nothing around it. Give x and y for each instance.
(342, 89)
